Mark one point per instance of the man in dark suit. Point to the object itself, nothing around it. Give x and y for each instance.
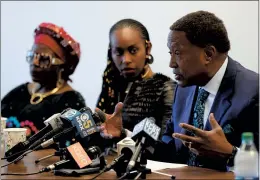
(209, 81)
(216, 99)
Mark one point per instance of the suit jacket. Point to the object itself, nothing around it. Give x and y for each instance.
(235, 108)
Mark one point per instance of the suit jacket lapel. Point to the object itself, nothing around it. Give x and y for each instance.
(188, 109)
(186, 112)
(222, 100)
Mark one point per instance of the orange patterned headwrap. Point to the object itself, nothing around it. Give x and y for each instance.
(59, 40)
(51, 43)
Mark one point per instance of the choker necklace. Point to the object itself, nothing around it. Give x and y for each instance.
(38, 97)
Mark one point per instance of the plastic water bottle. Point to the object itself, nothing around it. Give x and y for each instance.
(246, 159)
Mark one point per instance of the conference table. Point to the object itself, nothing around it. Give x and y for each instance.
(27, 165)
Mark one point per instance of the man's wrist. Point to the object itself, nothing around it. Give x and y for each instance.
(230, 160)
(229, 149)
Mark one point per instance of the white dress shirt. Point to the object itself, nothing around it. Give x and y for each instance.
(212, 87)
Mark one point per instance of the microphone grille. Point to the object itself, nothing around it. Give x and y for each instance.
(101, 115)
(94, 152)
(127, 152)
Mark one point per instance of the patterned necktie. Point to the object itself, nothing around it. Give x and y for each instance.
(198, 116)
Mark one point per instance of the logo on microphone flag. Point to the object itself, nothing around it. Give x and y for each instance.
(79, 155)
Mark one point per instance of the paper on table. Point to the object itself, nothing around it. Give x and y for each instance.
(156, 165)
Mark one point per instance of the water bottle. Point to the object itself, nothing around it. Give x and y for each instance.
(246, 159)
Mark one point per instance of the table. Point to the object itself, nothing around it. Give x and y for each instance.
(27, 165)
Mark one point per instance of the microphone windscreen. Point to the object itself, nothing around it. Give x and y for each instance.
(125, 143)
(127, 153)
(94, 152)
(101, 115)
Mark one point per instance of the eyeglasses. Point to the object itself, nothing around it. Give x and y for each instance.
(44, 60)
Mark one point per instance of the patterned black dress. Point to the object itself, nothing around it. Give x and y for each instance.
(20, 112)
(151, 97)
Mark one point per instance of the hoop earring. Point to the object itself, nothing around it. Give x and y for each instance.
(149, 59)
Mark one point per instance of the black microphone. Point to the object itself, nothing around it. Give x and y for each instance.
(119, 163)
(146, 133)
(54, 165)
(52, 132)
(67, 133)
(93, 152)
(125, 155)
(136, 154)
(54, 125)
(54, 122)
(82, 125)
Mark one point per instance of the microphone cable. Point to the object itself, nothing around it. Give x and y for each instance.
(101, 172)
(127, 173)
(21, 174)
(18, 158)
(14, 154)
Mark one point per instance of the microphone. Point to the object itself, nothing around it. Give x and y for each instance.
(77, 158)
(147, 128)
(53, 122)
(54, 165)
(136, 154)
(124, 154)
(125, 149)
(146, 133)
(82, 126)
(125, 143)
(69, 132)
(52, 132)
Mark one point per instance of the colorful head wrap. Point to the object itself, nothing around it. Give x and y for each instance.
(58, 40)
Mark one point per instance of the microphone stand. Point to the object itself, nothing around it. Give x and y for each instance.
(140, 169)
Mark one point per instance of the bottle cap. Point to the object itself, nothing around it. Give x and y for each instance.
(247, 136)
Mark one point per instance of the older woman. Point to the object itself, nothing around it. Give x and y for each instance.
(52, 59)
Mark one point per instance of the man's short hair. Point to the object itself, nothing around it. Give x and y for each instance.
(203, 28)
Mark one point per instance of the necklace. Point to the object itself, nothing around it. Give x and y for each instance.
(146, 73)
(38, 97)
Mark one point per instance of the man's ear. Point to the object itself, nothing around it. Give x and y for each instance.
(209, 53)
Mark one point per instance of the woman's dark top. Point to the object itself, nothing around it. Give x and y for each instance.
(20, 112)
(151, 97)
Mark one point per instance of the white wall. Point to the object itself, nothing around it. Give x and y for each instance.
(89, 23)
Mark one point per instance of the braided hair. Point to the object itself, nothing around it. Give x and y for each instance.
(113, 82)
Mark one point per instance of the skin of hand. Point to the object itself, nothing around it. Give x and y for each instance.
(113, 124)
(206, 143)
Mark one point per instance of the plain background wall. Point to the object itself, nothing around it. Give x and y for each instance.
(89, 23)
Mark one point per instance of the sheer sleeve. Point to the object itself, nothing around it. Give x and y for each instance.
(104, 102)
(168, 95)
